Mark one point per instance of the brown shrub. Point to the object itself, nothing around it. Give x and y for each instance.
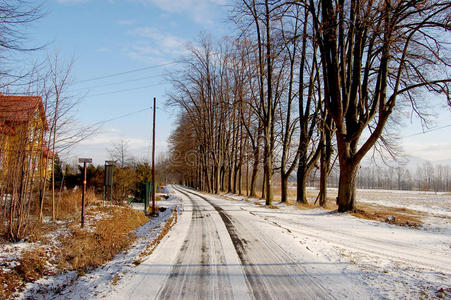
(86, 249)
(10, 282)
(69, 203)
(305, 205)
(392, 215)
(32, 264)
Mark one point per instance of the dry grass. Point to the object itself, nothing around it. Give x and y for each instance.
(84, 249)
(272, 207)
(70, 203)
(115, 279)
(305, 205)
(10, 283)
(80, 249)
(391, 215)
(67, 207)
(32, 266)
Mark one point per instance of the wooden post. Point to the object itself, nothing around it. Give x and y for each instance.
(84, 161)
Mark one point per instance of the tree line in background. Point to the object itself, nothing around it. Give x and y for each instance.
(304, 85)
(424, 177)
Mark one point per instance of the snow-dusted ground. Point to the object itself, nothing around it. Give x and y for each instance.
(236, 249)
(436, 207)
(229, 248)
(394, 262)
(98, 282)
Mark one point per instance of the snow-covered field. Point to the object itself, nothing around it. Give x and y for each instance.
(436, 207)
(232, 247)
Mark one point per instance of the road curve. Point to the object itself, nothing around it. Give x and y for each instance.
(216, 251)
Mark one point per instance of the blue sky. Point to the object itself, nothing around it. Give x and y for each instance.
(109, 37)
(106, 37)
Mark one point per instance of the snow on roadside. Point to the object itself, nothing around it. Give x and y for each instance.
(97, 283)
(424, 201)
(394, 262)
(10, 254)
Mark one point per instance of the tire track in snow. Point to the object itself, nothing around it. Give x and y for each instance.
(199, 271)
(353, 242)
(278, 277)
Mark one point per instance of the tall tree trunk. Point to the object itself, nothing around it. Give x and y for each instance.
(256, 162)
(347, 186)
(301, 190)
(268, 172)
(253, 186)
(323, 177)
(229, 178)
(326, 155)
(284, 187)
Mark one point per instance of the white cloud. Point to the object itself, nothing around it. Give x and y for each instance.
(96, 146)
(170, 42)
(155, 45)
(199, 10)
(428, 151)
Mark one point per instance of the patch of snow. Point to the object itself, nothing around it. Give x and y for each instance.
(394, 262)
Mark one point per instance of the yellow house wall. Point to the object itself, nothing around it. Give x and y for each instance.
(9, 145)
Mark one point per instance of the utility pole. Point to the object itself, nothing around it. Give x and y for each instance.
(154, 211)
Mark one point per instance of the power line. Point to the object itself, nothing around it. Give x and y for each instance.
(125, 72)
(117, 82)
(121, 116)
(427, 131)
(125, 90)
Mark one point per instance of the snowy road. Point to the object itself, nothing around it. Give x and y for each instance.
(220, 251)
(233, 247)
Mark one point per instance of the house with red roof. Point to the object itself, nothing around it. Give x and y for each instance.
(22, 129)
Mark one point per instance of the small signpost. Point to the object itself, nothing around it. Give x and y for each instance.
(108, 180)
(84, 161)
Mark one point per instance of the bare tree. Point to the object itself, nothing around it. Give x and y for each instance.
(372, 53)
(120, 153)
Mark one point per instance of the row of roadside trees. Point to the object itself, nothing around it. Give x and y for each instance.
(304, 84)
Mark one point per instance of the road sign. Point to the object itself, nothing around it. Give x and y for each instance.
(85, 160)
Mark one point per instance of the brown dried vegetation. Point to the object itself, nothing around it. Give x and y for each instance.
(84, 249)
(108, 231)
(391, 215)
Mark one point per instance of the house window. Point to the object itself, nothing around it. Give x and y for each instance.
(31, 134)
